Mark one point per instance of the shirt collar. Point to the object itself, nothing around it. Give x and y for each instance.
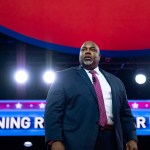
(96, 69)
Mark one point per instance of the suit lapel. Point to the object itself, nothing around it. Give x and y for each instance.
(85, 77)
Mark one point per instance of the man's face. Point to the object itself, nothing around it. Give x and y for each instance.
(89, 55)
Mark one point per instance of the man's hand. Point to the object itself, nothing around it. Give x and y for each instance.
(57, 145)
(131, 145)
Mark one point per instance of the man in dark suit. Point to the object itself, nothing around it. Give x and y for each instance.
(73, 112)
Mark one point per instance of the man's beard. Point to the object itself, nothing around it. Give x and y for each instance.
(87, 62)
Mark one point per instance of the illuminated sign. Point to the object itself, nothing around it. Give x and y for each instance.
(26, 117)
(141, 113)
(21, 118)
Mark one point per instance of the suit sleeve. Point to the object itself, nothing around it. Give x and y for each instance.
(54, 110)
(127, 119)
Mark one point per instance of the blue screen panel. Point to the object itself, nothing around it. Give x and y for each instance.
(26, 117)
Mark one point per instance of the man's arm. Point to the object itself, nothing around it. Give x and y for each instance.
(53, 117)
(127, 120)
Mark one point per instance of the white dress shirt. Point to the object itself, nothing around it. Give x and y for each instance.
(106, 91)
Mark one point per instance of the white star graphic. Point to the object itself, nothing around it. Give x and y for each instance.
(146, 105)
(7, 105)
(31, 105)
(42, 105)
(135, 105)
(18, 106)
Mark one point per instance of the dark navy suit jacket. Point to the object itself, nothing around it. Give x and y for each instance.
(71, 113)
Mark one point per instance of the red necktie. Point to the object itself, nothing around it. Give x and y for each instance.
(98, 90)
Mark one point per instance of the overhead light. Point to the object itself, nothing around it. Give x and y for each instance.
(140, 78)
(28, 144)
(49, 76)
(21, 76)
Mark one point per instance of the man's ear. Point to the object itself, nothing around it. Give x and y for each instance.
(99, 57)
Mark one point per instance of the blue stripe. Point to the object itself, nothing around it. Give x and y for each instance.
(72, 50)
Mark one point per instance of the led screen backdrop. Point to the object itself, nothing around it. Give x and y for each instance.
(25, 117)
(121, 28)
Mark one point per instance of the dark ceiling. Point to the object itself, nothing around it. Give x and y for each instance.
(15, 54)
